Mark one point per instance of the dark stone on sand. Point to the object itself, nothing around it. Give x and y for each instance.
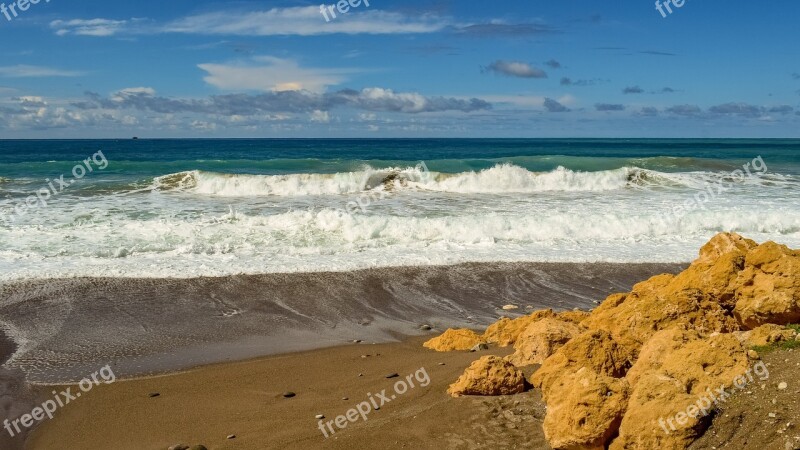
(231, 436)
(425, 327)
(153, 394)
(356, 341)
(288, 394)
(392, 375)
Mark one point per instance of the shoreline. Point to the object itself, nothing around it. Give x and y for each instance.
(147, 326)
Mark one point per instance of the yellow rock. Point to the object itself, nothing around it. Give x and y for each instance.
(768, 289)
(506, 331)
(454, 339)
(490, 375)
(669, 405)
(766, 335)
(596, 350)
(540, 340)
(585, 410)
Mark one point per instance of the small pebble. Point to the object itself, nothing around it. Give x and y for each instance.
(361, 374)
(319, 416)
(154, 394)
(231, 436)
(425, 327)
(773, 415)
(441, 364)
(392, 375)
(782, 386)
(356, 341)
(345, 398)
(289, 394)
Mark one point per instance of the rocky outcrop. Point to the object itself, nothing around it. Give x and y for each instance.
(584, 409)
(575, 316)
(644, 369)
(540, 340)
(768, 289)
(669, 405)
(651, 355)
(490, 375)
(596, 350)
(766, 335)
(454, 339)
(505, 331)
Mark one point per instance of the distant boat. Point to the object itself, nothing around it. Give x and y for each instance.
(135, 138)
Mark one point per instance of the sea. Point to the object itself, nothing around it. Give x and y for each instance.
(190, 208)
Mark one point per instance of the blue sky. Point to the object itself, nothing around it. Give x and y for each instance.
(100, 69)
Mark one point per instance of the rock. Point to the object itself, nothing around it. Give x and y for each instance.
(584, 410)
(766, 334)
(660, 303)
(652, 353)
(596, 350)
(425, 327)
(454, 339)
(510, 307)
(490, 375)
(540, 340)
(345, 398)
(231, 436)
(684, 378)
(479, 347)
(506, 331)
(782, 386)
(768, 289)
(153, 395)
(288, 394)
(575, 316)
(357, 341)
(319, 416)
(392, 375)
(752, 354)
(179, 447)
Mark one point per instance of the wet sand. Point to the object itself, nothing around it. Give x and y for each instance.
(206, 405)
(69, 328)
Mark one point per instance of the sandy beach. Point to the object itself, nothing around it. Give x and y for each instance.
(163, 327)
(206, 405)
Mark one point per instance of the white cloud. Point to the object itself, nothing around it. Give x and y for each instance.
(88, 27)
(304, 21)
(25, 71)
(320, 116)
(267, 73)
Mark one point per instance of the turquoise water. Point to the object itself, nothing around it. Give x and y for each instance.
(214, 207)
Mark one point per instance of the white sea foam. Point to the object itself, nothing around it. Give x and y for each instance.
(199, 223)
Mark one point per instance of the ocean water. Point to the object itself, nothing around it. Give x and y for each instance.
(185, 208)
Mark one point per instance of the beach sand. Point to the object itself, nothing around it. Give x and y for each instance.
(244, 399)
(158, 328)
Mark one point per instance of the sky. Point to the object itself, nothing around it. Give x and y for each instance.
(436, 68)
